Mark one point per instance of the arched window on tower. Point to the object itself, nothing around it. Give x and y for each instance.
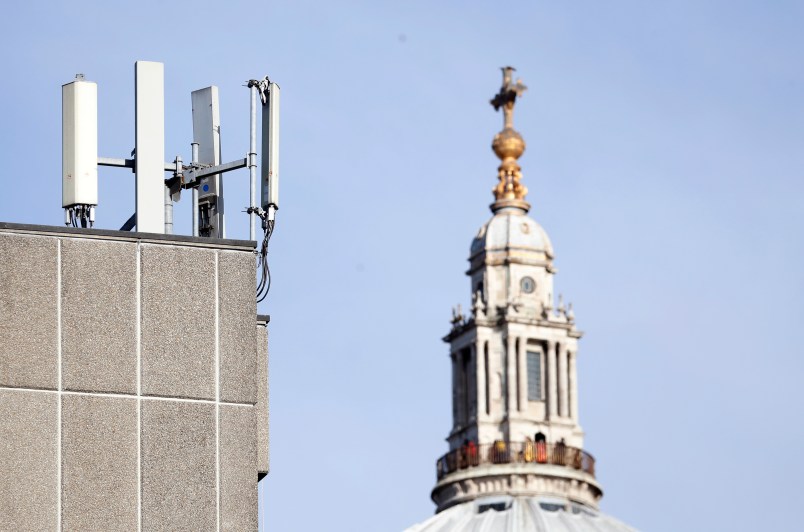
(541, 447)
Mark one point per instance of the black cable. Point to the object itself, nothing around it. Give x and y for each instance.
(264, 285)
(266, 272)
(260, 257)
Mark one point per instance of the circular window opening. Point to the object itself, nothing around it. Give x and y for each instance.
(528, 285)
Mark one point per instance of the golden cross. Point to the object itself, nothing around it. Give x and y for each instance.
(506, 98)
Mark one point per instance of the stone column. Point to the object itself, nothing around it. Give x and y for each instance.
(563, 394)
(510, 381)
(523, 374)
(472, 388)
(480, 364)
(455, 392)
(552, 387)
(573, 386)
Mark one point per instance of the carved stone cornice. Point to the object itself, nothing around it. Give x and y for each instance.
(501, 320)
(516, 479)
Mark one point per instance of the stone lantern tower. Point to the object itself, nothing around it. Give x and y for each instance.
(516, 453)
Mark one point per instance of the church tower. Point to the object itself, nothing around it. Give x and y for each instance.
(516, 457)
(514, 378)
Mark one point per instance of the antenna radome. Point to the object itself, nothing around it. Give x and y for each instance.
(207, 133)
(79, 166)
(270, 150)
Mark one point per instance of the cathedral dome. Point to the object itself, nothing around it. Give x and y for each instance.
(521, 514)
(512, 229)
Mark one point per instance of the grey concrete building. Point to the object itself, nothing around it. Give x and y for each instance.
(133, 381)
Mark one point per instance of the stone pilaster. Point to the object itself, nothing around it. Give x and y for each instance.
(510, 381)
(552, 385)
(573, 386)
(456, 391)
(523, 374)
(480, 360)
(563, 395)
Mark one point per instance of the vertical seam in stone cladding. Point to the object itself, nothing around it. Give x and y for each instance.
(217, 393)
(58, 404)
(138, 343)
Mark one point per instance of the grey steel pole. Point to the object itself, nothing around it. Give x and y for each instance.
(252, 164)
(195, 211)
(194, 159)
(168, 212)
(221, 203)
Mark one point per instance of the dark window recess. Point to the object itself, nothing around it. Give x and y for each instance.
(496, 506)
(551, 507)
(534, 376)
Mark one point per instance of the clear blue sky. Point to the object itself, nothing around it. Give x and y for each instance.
(665, 152)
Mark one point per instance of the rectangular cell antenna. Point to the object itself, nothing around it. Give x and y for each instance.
(207, 133)
(269, 172)
(149, 156)
(79, 128)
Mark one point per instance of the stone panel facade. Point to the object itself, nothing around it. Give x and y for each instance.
(133, 383)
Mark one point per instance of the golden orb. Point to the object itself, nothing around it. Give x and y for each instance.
(508, 143)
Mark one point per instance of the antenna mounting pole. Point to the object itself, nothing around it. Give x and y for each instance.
(194, 161)
(252, 163)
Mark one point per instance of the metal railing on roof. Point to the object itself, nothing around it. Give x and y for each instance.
(501, 452)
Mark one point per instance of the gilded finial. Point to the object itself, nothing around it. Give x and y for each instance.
(509, 145)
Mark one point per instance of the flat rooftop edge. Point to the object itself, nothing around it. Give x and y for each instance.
(128, 236)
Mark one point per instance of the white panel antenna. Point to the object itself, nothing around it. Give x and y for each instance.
(79, 151)
(149, 158)
(207, 134)
(269, 174)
